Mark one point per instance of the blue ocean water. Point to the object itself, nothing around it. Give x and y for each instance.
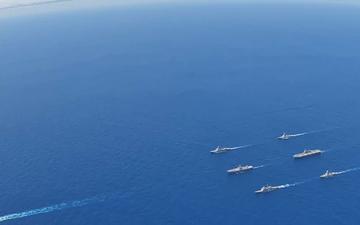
(108, 116)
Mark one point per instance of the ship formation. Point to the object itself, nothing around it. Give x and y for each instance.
(245, 168)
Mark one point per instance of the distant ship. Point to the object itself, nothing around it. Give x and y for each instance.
(219, 149)
(328, 174)
(266, 188)
(284, 137)
(307, 153)
(240, 169)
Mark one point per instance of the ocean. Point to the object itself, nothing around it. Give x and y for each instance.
(108, 115)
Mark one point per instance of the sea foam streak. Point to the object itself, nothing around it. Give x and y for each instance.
(293, 184)
(288, 185)
(310, 132)
(228, 149)
(322, 130)
(299, 134)
(238, 147)
(257, 167)
(347, 171)
(56, 207)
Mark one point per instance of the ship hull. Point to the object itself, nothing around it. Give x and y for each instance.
(300, 156)
(235, 171)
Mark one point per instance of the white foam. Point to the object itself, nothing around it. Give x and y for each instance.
(310, 132)
(257, 167)
(283, 186)
(295, 184)
(322, 130)
(288, 185)
(299, 134)
(347, 171)
(49, 209)
(238, 147)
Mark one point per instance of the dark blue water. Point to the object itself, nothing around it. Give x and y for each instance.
(107, 116)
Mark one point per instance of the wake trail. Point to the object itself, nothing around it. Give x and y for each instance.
(348, 170)
(228, 149)
(296, 183)
(284, 186)
(53, 208)
(238, 147)
(311, 132)
(322, 130)
(289, 185)
(325, 150)
(261, 166)
(299, 134)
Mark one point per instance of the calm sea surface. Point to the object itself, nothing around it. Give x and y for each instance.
(108, 116)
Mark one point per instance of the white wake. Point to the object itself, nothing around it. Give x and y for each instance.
(237, 147)
(348, 170)
(288, 185)
(257, 167)
(295, 183)
(310, 132)
(299, 134)
(52, 208)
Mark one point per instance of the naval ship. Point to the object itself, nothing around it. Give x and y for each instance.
(328, 174)
(219, 149)
(240, 169)
(266, 188)
(284, 137)
(307, 153)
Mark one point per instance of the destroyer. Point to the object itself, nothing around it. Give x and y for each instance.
(307, 153)
(219, 149)
(240, 169)
(284, 137)
(266, 188)
(328, 174)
